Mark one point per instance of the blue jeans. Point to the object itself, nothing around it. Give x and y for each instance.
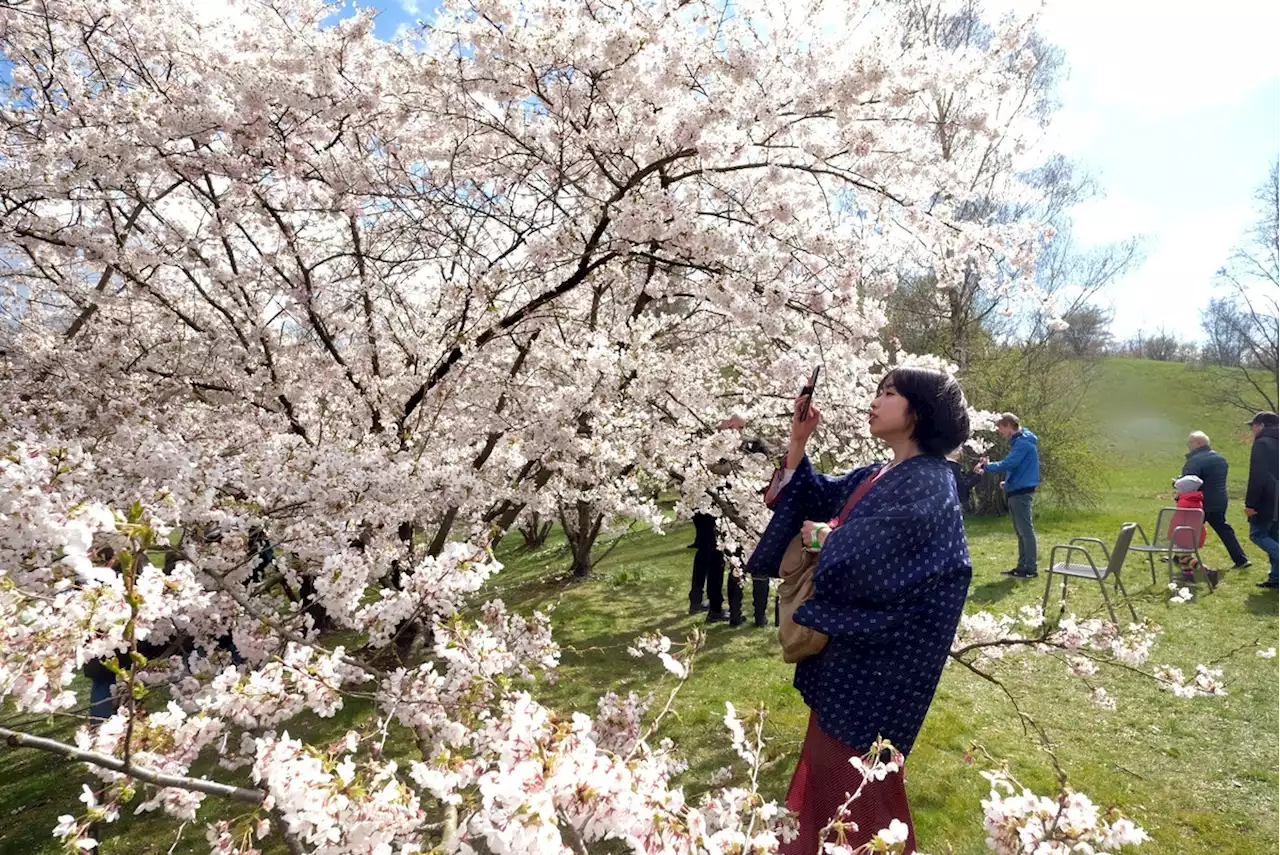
(1020, 511)
(1266, 536)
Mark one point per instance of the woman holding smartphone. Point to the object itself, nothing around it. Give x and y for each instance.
(889, 588)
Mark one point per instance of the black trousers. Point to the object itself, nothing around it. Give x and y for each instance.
(759, 600)
(1217, 521)
(708, 576)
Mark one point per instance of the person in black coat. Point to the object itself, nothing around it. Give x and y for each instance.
(1211, 468)
(965, 480)
(1260, 504)
(709, 561)
(704, 540)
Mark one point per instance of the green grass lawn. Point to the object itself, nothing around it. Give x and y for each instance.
(1200, 774)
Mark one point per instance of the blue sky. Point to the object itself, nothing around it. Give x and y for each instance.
(1174, 107)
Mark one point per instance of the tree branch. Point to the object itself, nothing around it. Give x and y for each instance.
(115, 764)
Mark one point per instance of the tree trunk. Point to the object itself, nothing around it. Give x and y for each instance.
(581, 532)
(535, 530)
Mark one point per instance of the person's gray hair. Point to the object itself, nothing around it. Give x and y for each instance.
(1198, 438)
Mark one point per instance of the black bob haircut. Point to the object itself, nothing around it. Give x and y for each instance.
(937, 402)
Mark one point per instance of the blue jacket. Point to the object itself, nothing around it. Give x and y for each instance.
(1021, 467)
(889, 590)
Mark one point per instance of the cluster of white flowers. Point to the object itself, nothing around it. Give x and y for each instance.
(337, 806)
(1019, 822)
(167, 741)
(303, 678)
(223, 840)
(619, 723)
(75, 831)
(659, 645)
(1207, 681)
(984, 628)
(1102, 699)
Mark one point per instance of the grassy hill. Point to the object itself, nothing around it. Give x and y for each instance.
(1144, 410)
(1200, 775)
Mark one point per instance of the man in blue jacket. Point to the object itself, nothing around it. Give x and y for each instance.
(1021, 468)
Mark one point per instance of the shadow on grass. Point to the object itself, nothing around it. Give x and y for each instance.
(992, 592)
(716, 636)
(1263, 603)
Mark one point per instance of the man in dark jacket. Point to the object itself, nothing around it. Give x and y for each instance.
(1211, 468)
(1260, 504)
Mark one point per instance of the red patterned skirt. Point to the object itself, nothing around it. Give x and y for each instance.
(824, 778)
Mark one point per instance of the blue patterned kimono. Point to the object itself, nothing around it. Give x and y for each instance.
(889, 590)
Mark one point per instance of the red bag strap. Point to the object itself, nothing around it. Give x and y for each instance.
(857, 495)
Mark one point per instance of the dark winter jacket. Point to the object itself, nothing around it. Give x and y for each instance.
(1263, 463)
(1211, 468)
(965, 480)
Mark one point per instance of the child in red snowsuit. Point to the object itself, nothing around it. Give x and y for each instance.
(1189, 498)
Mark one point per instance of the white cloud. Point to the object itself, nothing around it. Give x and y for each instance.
(1154, 57)
(1176, 281)
(1114, 218)
(1161, 105)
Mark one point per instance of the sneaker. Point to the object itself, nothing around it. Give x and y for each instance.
(761, 624)
(1243, 565)
(1021, 574)
(717, 617)
(1213, 576)
(698, 609)
(1268, 583)
(737, 621)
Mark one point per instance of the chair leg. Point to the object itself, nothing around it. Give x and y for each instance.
(1127, 602)
(1048, 583)
(1151, 561)
(1204, 571)
(1102, 586)
(1063, 609)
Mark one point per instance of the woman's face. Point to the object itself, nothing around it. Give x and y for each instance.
(890, 415)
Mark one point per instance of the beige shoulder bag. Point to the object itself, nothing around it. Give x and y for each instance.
(798, 642)
(797, 568)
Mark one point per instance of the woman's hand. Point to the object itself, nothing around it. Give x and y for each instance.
(807, 529)
(801, 430)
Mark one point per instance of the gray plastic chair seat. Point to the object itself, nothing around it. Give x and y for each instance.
(1164, 550)
(1082, 571)
(1177, 532)
(1089, 568)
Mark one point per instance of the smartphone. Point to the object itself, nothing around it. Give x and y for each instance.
(808, 390)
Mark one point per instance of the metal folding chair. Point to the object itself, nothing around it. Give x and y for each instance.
(1087, 568)
(1172, 540)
